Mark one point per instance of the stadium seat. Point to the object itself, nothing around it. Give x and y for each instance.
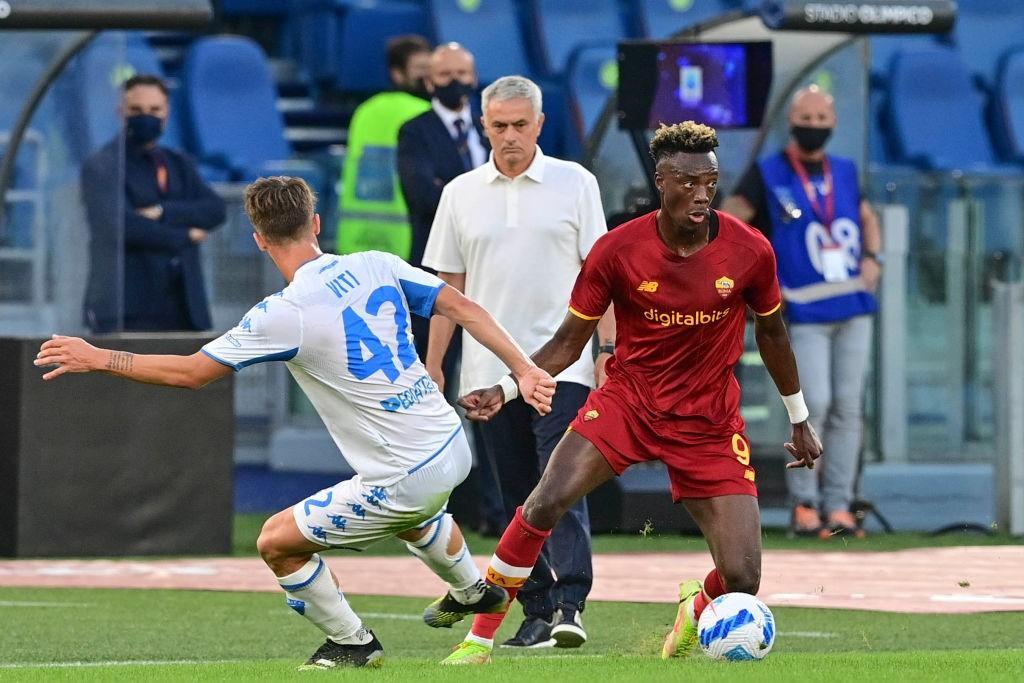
(313, 37)
(883, 48)
(984, 30)
(29, 165)
(365, 31)
(24, 199)
(664, 18)
(878, 151)
(491, 29)
(25, 206)
(255, 8)
(566, 24)
(1008, 123)
(343, 43)
(557, 138)
(18, 82)
(592, 77)
(924, 83)
(233, 106)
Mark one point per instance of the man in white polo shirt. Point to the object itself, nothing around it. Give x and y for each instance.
(512, 234)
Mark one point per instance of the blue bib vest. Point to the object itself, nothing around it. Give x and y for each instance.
(798, 242)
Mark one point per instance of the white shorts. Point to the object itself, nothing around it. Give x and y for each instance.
(354, 514)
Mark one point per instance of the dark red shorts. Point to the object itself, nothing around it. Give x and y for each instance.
(698, 466)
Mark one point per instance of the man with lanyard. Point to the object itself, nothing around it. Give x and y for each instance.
(827, 242)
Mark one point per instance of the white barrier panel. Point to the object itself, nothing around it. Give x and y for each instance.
(1008, 364)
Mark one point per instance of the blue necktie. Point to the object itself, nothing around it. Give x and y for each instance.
(462, 144)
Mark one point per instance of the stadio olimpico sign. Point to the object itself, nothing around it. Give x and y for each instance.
(881, 16)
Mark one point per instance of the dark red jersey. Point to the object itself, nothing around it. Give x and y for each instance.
(680, 320)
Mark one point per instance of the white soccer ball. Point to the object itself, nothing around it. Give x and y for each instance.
(736, 627)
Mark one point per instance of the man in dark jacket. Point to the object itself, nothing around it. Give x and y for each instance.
(441, 143)
(148, 210)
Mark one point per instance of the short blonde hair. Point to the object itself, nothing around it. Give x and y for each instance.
(280, 208)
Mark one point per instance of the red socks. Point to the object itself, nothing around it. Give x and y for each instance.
(510, 567)
(713, 587)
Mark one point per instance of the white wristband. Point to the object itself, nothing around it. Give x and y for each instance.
(796, 407)
(509, 388)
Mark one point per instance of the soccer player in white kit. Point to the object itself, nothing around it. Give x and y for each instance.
(342, 326)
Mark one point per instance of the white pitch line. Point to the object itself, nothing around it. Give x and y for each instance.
(982, 599)
(544, 652)
(26, 603)
(413, 617)
(391, 615)
(195, 662)
(786, 597)
(369, 615)
(140, 662)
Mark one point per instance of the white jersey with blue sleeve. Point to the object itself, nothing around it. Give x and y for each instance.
(343, 327)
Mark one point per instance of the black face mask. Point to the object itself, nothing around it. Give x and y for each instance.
(450, 96)
(143, 129)
(810, 139)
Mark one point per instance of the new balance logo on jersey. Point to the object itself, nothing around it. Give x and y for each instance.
(685, 319)
(649, 286)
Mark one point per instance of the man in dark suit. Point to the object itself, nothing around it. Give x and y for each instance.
(441, 143)
(146, 225)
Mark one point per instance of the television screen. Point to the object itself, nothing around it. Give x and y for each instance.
(724, 85)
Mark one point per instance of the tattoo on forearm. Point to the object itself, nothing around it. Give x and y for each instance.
(120, 361)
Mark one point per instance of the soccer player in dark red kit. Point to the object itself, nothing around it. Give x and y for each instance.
(681, 280)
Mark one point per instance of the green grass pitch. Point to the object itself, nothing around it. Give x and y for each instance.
(133, 635)
(83, 634)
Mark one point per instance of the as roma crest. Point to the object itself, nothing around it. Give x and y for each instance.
(724, 286)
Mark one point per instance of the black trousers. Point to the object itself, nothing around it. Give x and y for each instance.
(519, 443)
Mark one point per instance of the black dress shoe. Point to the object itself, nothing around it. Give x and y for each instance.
(568, 629)
(533, 632)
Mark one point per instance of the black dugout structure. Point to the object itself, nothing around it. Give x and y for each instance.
(94, 465)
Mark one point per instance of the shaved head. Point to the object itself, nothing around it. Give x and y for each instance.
(449, 61)
(812, 107)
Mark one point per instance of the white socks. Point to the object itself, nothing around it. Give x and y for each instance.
(458, 570)
(311, 592)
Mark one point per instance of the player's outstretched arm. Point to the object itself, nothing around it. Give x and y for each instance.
(565, 348)
(441, 331)
(561, 351)
(72, 354)
(777, 354)
(536, 386)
